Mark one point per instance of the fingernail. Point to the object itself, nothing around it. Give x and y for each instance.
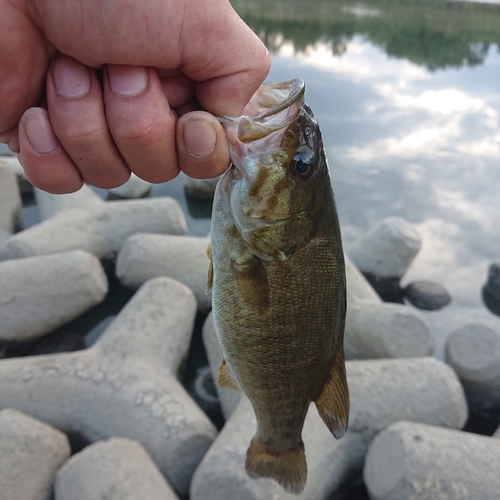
(71, 78)
(39, 131)
(127, 80)
(200, 138)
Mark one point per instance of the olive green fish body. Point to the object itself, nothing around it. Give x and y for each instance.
(279, 285)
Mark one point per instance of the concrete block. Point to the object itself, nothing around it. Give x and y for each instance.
(125, 384)
(100, 231)
(382, 392)
(10, 199)
(383, 330)
(387, 249)
(51, 204)
(135, 187)
(415, 461)
(473, 351)
(146, 256)
(116, 469)
(30, 454)
(375, 329)
(39, 294)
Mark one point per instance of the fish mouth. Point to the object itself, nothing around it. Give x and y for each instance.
(275, 105)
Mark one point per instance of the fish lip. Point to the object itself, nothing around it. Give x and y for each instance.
(297, 89)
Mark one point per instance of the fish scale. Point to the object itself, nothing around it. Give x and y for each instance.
(278, 279)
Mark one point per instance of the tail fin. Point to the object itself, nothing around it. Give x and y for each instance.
(287, 467)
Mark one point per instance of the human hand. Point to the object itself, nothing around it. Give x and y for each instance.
(116, 84)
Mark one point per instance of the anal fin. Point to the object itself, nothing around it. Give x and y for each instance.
(333, 401)
(225, 379)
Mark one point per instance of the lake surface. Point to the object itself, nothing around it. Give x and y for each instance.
(407, 97)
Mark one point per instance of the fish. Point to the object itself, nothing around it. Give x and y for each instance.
(277, 277)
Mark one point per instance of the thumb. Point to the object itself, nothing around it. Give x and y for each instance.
(236, 63)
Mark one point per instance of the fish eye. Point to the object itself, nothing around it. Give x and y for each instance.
(302, 165)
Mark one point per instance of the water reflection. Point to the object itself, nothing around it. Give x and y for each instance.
(433, 34)
(415, 135)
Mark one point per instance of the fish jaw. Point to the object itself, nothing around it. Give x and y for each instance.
(271, 207)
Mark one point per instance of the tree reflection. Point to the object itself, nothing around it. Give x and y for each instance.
(432, 34)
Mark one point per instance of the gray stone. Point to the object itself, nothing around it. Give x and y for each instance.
(228, 398)
(386, 331)
(375, 329)
(497, 433)
(427, 295)
(387, 249)
(10, 199)
(125, 384)
(204, 392)
(135, 187)
(30, 454)
(201, 189)
(116, 469)
(493, 284)
(415, 461)
(382, 392)
(13, 163)
(39, 294)
(52, 204)
(473, 351)
(146, 256)
(100, 230)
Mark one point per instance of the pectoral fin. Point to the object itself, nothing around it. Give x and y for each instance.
(252, 282)
(333, 401)
(225, 379)
(210, 279)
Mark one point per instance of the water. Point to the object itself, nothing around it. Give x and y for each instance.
(406, 94)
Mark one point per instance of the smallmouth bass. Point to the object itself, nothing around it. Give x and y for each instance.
(278, 279)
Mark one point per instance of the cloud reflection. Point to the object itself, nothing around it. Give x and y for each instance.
(422, 145)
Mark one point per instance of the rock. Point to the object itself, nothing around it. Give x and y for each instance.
(135, 187)
(100, 231)
(13, 163)
(30, 454)
(493, 284)
(204, 393)
(228, 398)
(52, 204)
(386, 331)
(116, 469)
(416, 461)
(146, 256)
(473, 351)
(39, 294)
(10, 200)
(385, 252)
(427, 295)
(497, 433)
(382, 392)
(201, 189)
(125, 384)
(375, 329)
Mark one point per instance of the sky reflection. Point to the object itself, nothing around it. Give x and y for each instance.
(402, 140)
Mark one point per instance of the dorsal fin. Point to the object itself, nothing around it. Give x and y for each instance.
(210, 278)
